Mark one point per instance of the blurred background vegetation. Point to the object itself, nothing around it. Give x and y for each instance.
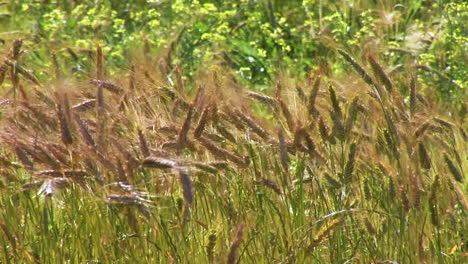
(256, 38)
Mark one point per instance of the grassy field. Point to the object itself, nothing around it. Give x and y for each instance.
(233, 132)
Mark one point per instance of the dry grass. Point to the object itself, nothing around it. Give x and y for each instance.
(374, 172)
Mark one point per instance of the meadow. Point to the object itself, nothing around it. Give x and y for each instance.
(233, 131)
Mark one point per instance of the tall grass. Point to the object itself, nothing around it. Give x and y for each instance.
(104, 172)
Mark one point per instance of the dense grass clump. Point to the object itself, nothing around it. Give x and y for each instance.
(136, 168)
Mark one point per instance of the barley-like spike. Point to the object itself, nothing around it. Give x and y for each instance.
(101, 119)
(199, 100)
(444, 123)
(309, 143)
(108, 86)
(453, 169)
(205, 167)
(59, 153)
(301, 94)
(460, 195)
(252, 124)
(378, 92)
(287, 115)
(72, 54)
(170, 145)
(210, 248)
(182, 139)
(323, 129)
(67, 108)
(380, 73)
(84, 105)
(187, 187)
(433, 205)
(338, 128)
(40, 116)
(349, 167)
(17, 68)
(221, 153)
(352, 113)
(15, 50)
(333, 183)
(158, 163)
(44, 98)
(391, 187)
(334, 101)
(424, 158)
(234, 248)
(49, 159)
(124, 199)
(392, 128)
(297, 137)
(225, 133)
(219, 164)
(128, 156)
(324, 232)
(313, 94)
(231, 118)
(416, 189)
(404, 197)
(59, 173)
(359, 69)
(421, 129)
(99, 63)
(270, 184)
(283, 151)
(104, 161)
(23, 157)
(84, 131)
(262, 98)
(67, 138)
(143, 144)
(201, 123)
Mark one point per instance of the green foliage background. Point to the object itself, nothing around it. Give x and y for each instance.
(254, 38)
